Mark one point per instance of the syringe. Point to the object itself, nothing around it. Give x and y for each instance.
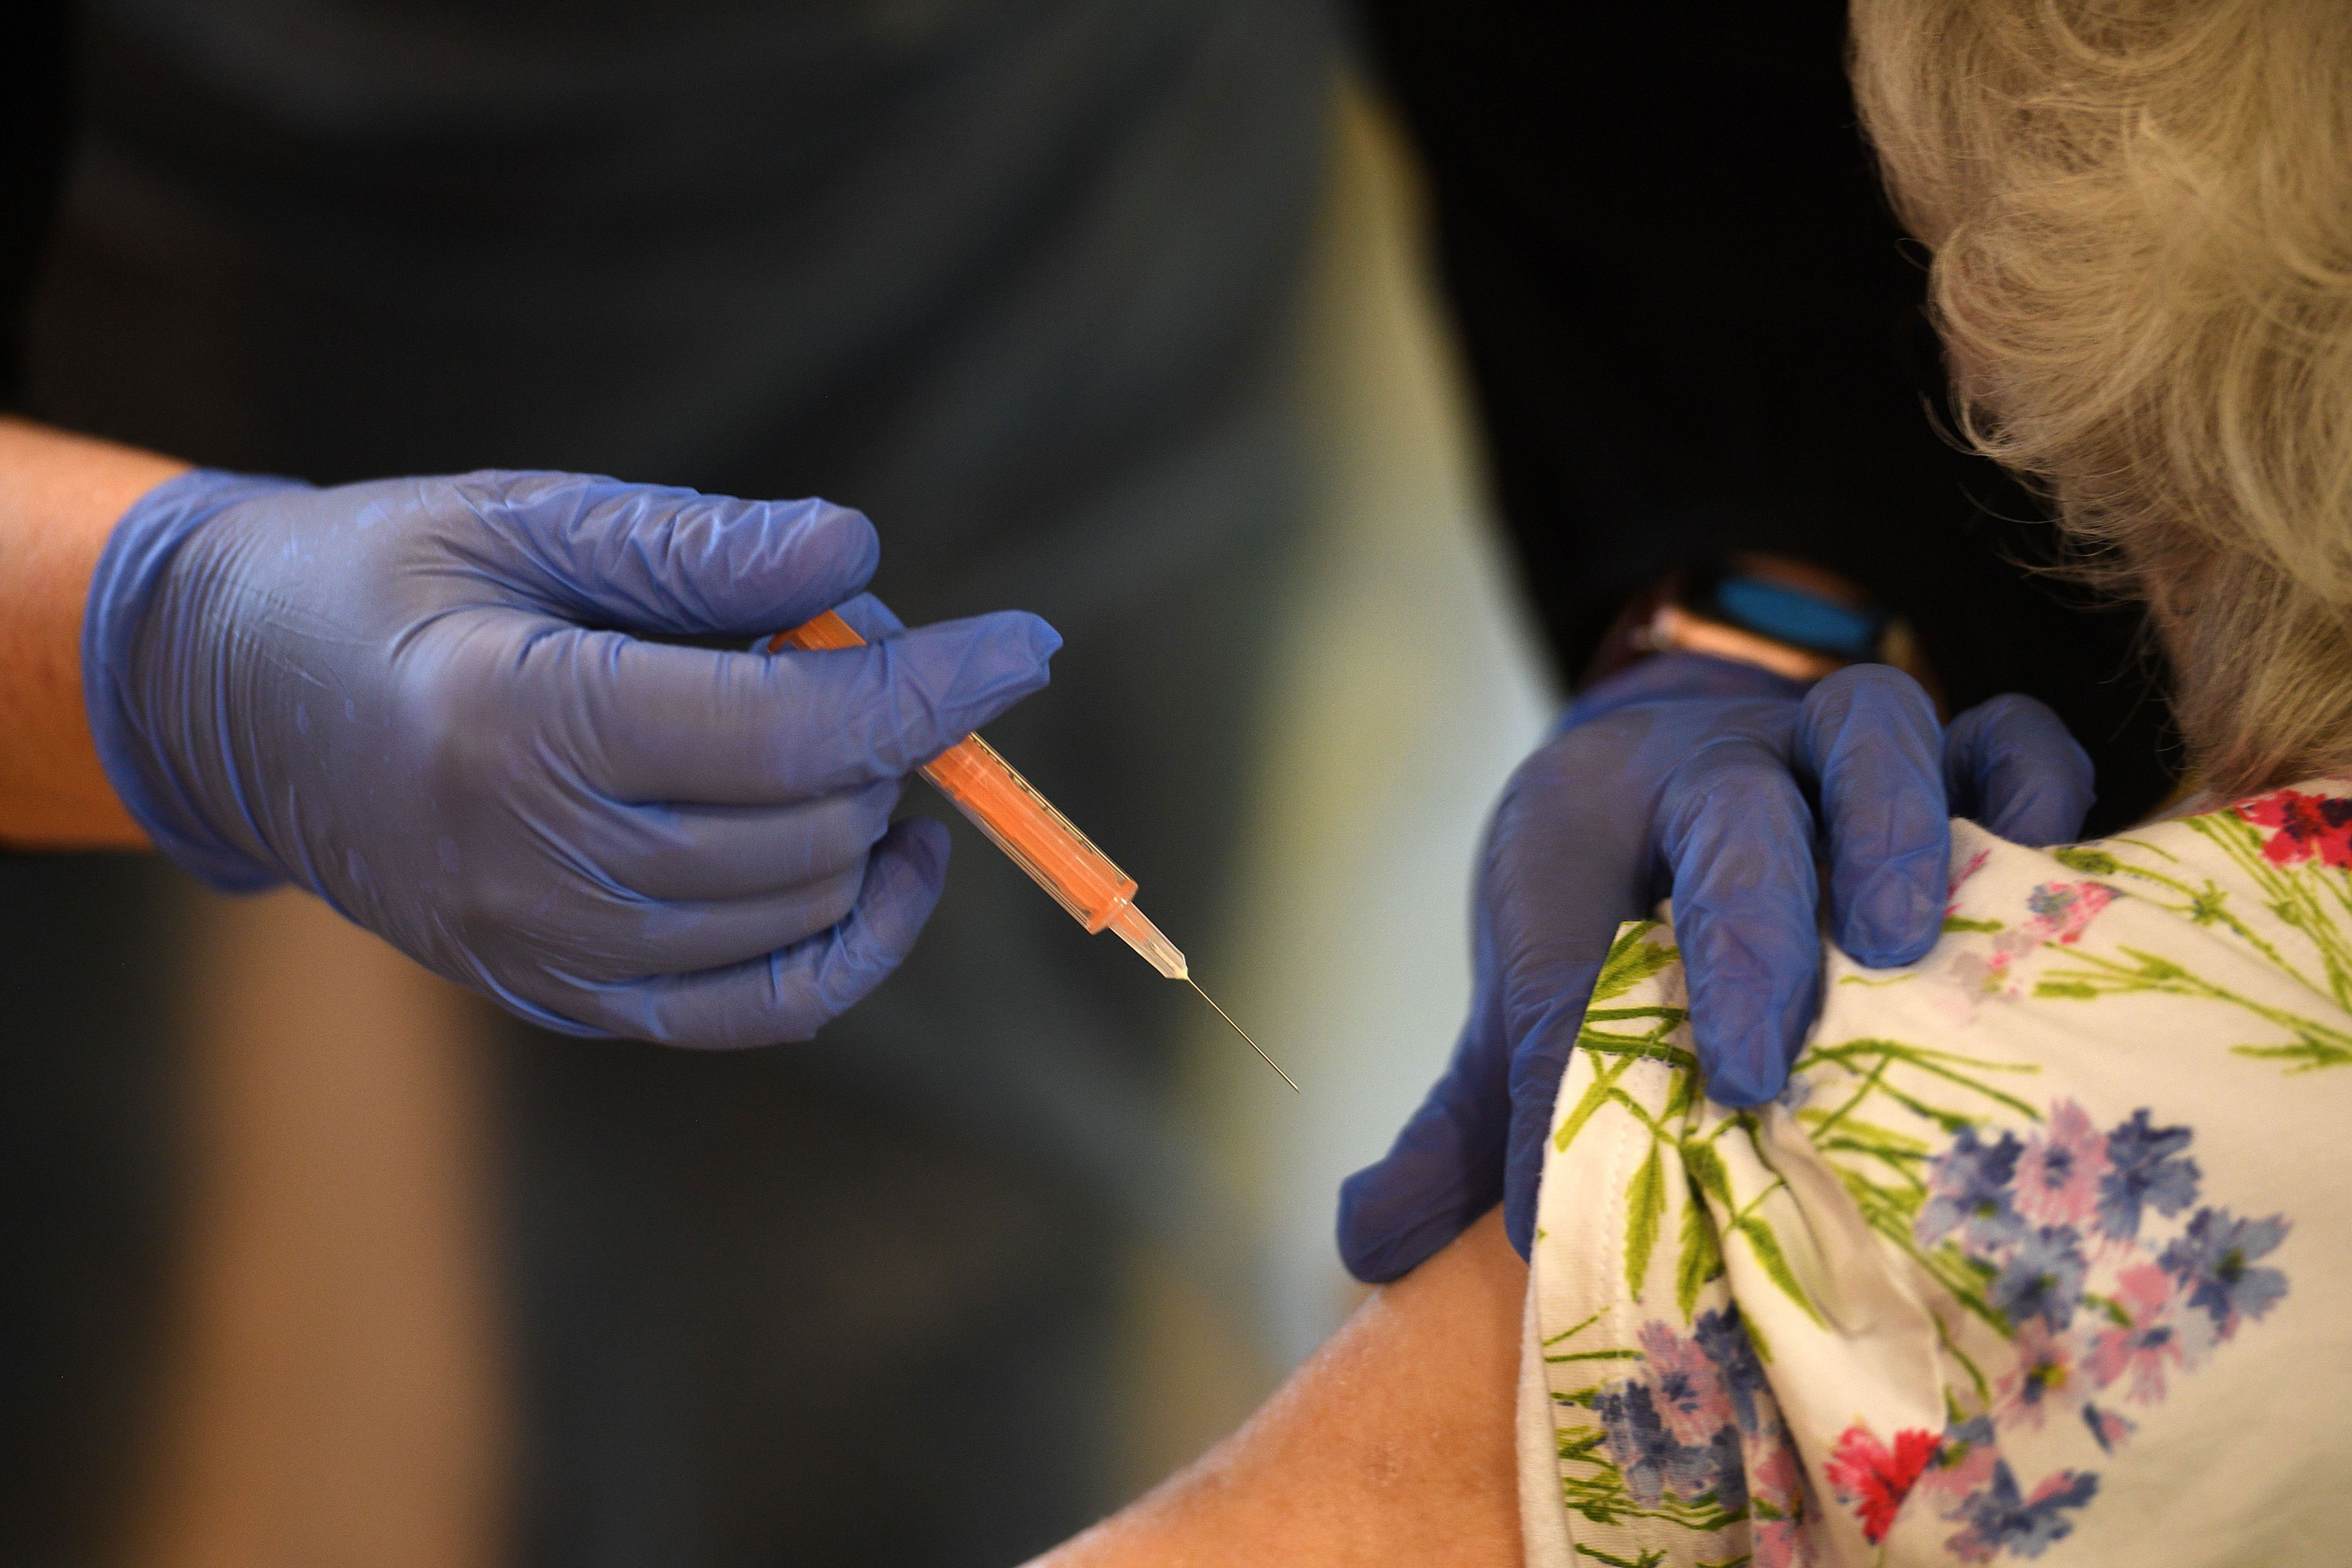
(1041, 841)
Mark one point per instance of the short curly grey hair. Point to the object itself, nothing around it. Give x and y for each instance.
(2140, 213)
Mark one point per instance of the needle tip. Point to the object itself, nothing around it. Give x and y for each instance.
(1238, 1030)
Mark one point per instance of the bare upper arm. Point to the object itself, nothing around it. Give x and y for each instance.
(1394, 1444)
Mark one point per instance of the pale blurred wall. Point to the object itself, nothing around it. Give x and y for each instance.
(1411, 686)
(336, 1392)
(338, 1396)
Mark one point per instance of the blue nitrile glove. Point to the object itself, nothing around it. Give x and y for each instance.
(1705, 779)
(424, 700)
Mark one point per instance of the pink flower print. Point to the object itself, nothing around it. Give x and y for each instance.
(2141, 1350)
(1775, 1478)
(2060, 912)
(2045, 1366)
(2301, 826)
(1691, 1400)
(1776, 1492)
(1968, 1546)
(1777, 1543)
(1964, 1461)
(1952, 892)
(2063, 911)
(2058, 1175)
(1971, 974)
(2007, 949)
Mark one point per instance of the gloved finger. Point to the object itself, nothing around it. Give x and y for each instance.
(1677, 675)
(2010, 766)
(1564, 873)
(621, 938)
(1558, 873)
(653, 721)
(869, 618)
(1445, 1167)
(790, 994)
(1536, 1068)
(1739, 837)
(672, 851)
(1569, 860)
(658, 559)
(1868, 735)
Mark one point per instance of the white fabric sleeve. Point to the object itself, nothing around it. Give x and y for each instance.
(1543, 1521)
(2039, 1258)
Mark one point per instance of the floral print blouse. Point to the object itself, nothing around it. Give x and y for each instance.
(2037, 1258)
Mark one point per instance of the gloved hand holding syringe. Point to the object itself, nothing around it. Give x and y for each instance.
(1041, 841)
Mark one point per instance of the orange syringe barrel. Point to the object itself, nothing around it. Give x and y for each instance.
(1024, 824)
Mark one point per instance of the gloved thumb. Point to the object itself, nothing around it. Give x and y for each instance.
(659, 560)
(1445, 1168)
(1536, 1069)
(1443, 1171)
(672, 723)
(2011, 765)
(885, 709)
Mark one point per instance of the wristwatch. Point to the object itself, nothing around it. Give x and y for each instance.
(1779, 614)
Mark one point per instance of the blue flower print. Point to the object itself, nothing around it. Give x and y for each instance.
(2107, 1427)
(1688, 1395)
(2146, 1168)
(1969, 1186)
(2042, 1278)
(1730, 1471)
(2213, 1261)
(1724, 1337)
(1962, 1438)
(2045, 1375)
(1649, 1456)
(2000, 1518)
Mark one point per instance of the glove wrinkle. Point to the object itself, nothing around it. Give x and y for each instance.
(1717, 783)
(430, 702)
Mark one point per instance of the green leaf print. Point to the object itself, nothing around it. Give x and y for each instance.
(2088, 862)
(2315, 1045)
(1650, 1559)
(1706, 1170)
(1683, 1098)
(1596, 1095)
(1767, 1248)
(2308, 1055)
(1702, 1255)
(1646, 1209)
(1946, 1065)
(1630, 961)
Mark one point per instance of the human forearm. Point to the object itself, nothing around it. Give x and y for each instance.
(1394, 1445)
(59, 497)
